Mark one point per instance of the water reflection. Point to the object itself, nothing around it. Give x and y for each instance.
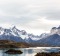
(26, 52)
(29, 51)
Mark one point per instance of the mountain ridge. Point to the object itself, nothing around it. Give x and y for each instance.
(45, 39)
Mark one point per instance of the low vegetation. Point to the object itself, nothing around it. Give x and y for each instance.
(48, 54)
(12, 44)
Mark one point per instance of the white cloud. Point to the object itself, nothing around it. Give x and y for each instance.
(43, 25)
(34, 16)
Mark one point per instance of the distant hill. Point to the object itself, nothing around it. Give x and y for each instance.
(12, 44)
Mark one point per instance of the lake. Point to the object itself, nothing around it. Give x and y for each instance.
(31, 51)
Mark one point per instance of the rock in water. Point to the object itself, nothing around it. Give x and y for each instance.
(13, 51)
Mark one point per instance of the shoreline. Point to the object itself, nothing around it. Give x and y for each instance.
(48, 54)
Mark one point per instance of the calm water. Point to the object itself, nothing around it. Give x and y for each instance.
(31, 51)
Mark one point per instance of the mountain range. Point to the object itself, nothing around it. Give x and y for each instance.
(45, 39)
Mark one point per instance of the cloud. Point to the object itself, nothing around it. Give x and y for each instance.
(44, 24)
(35, 15)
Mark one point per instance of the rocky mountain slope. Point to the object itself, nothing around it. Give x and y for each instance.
(45, 39)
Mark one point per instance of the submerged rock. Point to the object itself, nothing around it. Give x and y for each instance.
(13, 51)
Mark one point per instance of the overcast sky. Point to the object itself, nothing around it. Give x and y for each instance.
(34, 16)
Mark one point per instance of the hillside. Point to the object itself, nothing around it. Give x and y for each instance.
(12, 44)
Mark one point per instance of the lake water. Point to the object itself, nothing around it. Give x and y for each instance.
(31, 51)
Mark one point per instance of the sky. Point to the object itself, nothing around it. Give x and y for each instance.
(34, 16)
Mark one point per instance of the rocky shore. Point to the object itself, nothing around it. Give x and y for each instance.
(48, 54)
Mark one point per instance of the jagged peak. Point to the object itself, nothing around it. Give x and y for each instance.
(14, 27)
(54, 28)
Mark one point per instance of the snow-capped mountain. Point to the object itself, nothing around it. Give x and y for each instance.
(14, 34)
(19, 33)
(55, 30)
(53, 40)
(11, 34)
(44, 35)
(13, 31)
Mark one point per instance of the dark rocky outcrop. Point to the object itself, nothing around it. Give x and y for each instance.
(48, 54)
(12, 51)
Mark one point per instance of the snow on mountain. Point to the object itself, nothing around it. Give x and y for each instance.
(1, 30)
(19, 33)
(15, 34)
(12, 34)
(44, 35)
(55, 30)
(33, 37)
(51, 40)
(13, 31)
